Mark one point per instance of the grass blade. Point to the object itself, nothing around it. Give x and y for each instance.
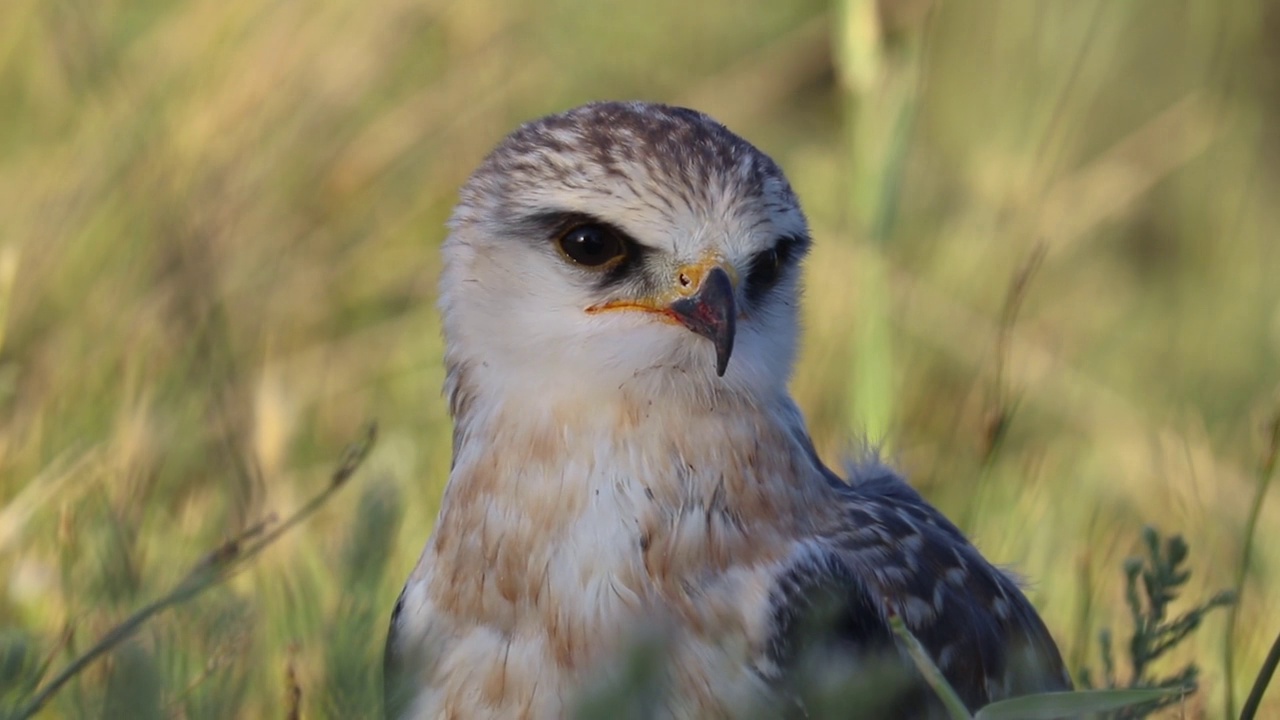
(1260, 683)
(1048, 706)
(932, 675)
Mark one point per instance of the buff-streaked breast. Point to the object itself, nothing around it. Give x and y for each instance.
(619, 299)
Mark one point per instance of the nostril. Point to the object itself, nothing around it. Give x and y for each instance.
(685, 281)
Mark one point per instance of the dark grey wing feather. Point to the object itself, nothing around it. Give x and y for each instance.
(395, 688)
(897, 553)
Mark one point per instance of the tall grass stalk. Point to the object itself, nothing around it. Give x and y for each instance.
(1254, 701)
(1266, 472)
(879, 92)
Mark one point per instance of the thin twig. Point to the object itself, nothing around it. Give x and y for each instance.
(1001, 403)
(1000, 408)
(211, 569)
(1260, 684)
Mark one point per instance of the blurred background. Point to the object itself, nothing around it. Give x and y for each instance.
(1045, 280)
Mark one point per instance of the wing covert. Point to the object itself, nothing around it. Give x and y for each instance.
(896, 552)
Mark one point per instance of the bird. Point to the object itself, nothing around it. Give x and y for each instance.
(619, 297)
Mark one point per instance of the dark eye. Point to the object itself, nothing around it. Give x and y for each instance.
(767, 266)
(592, 245)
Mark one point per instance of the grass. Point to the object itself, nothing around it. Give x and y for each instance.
(218, 224)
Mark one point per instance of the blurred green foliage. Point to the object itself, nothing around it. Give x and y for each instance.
(1163, 575)
(218, 224)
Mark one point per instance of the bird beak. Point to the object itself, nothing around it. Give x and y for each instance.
(708, 309)
(702, 301)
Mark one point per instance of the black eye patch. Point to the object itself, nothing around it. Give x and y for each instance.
(767, 266)
(556, 226)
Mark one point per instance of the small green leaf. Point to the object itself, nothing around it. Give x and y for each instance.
(1048, 706)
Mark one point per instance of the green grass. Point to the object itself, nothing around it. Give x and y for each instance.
(218, 232)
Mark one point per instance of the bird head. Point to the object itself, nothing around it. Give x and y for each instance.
(620, 245)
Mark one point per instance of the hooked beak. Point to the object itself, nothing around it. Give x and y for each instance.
(702, 301)
(710, 312)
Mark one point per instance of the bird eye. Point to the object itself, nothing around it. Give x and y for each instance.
(767, 266)
(592, 245)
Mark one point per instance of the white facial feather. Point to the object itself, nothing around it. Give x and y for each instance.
(514, 308)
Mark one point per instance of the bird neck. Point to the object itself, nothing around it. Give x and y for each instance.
(639, 495)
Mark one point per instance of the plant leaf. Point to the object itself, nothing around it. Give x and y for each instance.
(1048, 706)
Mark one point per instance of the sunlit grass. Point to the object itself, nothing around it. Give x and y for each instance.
(218, 232)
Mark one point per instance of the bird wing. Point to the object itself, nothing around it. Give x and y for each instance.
(393, 675)
(895, 554)
(401, 662)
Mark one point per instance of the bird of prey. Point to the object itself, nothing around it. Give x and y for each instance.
(619, 299)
